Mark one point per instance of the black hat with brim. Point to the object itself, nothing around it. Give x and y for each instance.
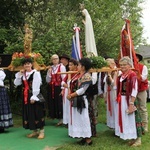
(139, 56)
(64, 56)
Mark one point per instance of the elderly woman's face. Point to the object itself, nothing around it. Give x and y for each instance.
(124, 66)
(55, 60)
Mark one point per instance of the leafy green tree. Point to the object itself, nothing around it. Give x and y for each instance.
(52, 23)
(10, 19)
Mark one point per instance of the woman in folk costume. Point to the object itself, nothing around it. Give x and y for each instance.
(5, 110)
(66, 103)
(89, 35)
(79, 124)
(54, 89)
(33, 109)
(91, 96)
(129, 126)
(110, 95)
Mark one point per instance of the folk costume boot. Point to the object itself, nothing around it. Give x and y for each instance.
(131, 142)
(41, 135)
(137, 142)
(33, 134)
(146, 127)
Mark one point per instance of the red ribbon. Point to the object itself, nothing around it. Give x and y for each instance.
(120, 110)
(26, 91)
(109, 103)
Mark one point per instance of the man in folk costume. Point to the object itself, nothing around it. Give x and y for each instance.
(64, 59)
(54, 89)
(142, 93)
(127, 49)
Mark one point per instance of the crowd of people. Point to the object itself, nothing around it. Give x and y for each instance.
(73, 92)
(126, 112)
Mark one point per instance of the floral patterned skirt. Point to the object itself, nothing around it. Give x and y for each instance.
(139, 124)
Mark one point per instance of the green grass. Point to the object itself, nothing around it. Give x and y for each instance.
(104, 140)
(17, 120)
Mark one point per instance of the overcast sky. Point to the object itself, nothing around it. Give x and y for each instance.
(146, 20)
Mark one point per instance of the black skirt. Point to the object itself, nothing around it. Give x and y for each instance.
(5, 110)
(33, 115)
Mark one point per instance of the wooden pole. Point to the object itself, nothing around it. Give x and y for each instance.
(104, 69)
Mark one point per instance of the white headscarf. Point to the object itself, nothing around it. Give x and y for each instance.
(89, 35)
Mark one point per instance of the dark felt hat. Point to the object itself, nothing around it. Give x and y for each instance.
(139, 56)
(64, 56)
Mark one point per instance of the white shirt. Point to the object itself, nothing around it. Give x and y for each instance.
(144, 73)
(37, 81)
(94, 78)
(2, 77)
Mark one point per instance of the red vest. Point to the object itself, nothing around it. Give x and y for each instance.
(130, 84)
(56, 78)
(142, 85)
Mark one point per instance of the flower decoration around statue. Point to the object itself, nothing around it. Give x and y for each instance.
(17, 58)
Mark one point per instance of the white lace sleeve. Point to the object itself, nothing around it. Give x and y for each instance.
(144, 73)
(2, 77)
(94, 78)
(135, 90)
(18, 80)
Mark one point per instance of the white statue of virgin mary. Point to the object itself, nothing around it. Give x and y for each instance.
(89, 35)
